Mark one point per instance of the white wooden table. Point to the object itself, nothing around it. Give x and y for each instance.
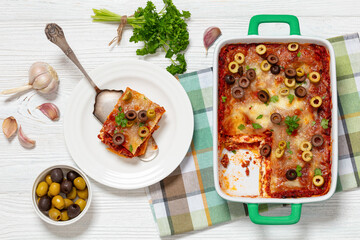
(126, 214)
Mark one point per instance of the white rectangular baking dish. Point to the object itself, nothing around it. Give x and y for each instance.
(295, 37)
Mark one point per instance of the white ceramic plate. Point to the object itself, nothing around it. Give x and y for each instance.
(173, 137)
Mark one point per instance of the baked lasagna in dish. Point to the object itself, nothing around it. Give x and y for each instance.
(274, 120)
(129, 126)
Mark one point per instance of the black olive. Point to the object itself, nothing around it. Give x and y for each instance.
(300, 79)
(317, 140)
(265, 150)
(66, 186)
(263, 96)
(142, 116)
(131, 115)
(72, 175)
(73, 210)
(237, 92)
(118, 138)
(251, 74)
(290, 72)
(300, 92)
(275, 69)
(291, 174)
(57, 175)
(276, 118)
(229, 79)
(272, 59)
(44, 203)
(244, 82)
(240, 71)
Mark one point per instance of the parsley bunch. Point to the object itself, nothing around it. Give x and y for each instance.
(166, 29)
(120, 119)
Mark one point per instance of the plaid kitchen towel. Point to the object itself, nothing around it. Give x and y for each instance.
(187, 200)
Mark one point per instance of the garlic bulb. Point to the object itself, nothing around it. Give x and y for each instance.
(42, 77)
(24, 140)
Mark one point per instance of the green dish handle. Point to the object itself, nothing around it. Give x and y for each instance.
(293, 218)
(289, 19)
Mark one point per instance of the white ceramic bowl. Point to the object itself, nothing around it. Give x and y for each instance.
(43, 215)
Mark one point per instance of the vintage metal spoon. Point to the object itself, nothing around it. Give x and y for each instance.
(105, 99)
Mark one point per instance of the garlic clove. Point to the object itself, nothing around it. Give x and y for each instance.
(9, 126)
(24, 140)
(210, 36)
(52, 87)
(42, 81)
(50, 110)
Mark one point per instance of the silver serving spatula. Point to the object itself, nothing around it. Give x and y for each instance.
(105, 99)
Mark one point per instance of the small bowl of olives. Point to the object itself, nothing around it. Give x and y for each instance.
(61, 195)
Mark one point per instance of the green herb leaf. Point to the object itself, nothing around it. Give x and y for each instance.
(323, 97)
(299, 54)
(241, 127)
(259, 117)
(272, 130)
(288, 145)
(247, 67)
(317, 172)
(256, 126)
(298, 170)
(292, 123)
(141, 138)
(223, 98)
(291, 98)
(131, 148)
(291, 152)
(233, 151)
(254, 69)
(313, 123)
(274, 99)
(324, 123)
(141, 124)
(116, 131)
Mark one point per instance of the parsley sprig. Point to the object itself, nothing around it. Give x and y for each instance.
(166, 30)
(120, 119)
(292, 123)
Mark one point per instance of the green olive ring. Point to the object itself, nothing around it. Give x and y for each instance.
(265, 65)
(314, 77)
(318, 180)
(305, 146)
(316, 101)
(127, 96)
(151, 114)
(239, 58)
(284, 91)
(233, 67)
(307, 156)
(260, 49)
(143, 131)
(290, 82)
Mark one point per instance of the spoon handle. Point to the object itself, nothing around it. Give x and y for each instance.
(56, 35)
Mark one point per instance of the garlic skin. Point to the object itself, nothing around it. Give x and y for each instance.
(42, 77)
(50, 110)
(9, 126)
(210, 36)
(24, 140)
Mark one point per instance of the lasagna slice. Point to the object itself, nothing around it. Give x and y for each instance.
(129, 126)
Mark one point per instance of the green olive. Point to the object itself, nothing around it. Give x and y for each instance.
(64, 216)
(42, 189)
(79, 183)
(129, 124)
(67, 202)
(143, 131)
(54, 189)
(127, 96)
(81, 203)
(54, 214)
(58, 202)
(151, 113)
(72, 194)
(83, 193)
(48, 179)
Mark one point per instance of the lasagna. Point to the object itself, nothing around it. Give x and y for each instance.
(129, 126)
(274, 120)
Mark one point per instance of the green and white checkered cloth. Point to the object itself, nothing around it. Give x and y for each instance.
(187, 200)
